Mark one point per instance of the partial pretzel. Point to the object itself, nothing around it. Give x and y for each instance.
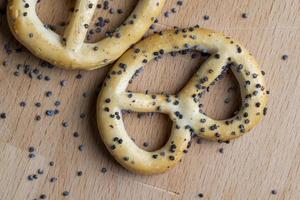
(70, 51)
(183, 108)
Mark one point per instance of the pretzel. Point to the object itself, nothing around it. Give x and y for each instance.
(70, 51)
(182, 108)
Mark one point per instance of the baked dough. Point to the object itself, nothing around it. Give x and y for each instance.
(182, 108)
(70, 51)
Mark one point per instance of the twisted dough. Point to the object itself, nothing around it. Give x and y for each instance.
(181, 108)
(70, 51)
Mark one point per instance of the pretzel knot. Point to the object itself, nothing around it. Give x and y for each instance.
(70, 51)
(182, 108)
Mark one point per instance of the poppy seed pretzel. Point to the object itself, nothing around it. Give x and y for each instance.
(70, 51)
(182, 108)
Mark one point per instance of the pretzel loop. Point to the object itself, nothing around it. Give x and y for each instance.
(182, 108)
(70, 51)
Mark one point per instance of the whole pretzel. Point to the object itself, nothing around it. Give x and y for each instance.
(70, 51)
(183, 107)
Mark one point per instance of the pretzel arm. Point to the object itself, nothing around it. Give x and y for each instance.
(138, 102)
(206, 75)
(76, 30)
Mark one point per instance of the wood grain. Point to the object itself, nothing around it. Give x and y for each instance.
(251, 167)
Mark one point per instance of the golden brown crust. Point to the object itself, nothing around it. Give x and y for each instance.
(182, 108)
(70, 51)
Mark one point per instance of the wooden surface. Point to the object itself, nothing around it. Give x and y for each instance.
(251, 167)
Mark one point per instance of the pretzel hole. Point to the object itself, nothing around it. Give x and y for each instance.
(223, 98)
(57, 22)
(151, 137)
(112, 16)
(167, 75)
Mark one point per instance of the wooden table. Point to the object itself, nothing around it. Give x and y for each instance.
(251, 167)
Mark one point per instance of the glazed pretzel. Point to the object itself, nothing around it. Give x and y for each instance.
(182, 108)
(70, 51)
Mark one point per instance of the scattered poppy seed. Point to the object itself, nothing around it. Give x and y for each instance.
(31, 155)
(31, 149)
(221, 150)
(63, 83)
(40, 171)
(76, 134)
(57, 103)
(65, 124)
(29, 177)
(65, 193)
(82, 115)
(53, 179)
(80, 147)
(200, 195)
(146, 144)
(78, 76)
(48, 94)
(285, 57)
(3, 115)
(22, 103)
(206, 17)
(273, 192)
(38, 118)
(244, 15)
(103, 170)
